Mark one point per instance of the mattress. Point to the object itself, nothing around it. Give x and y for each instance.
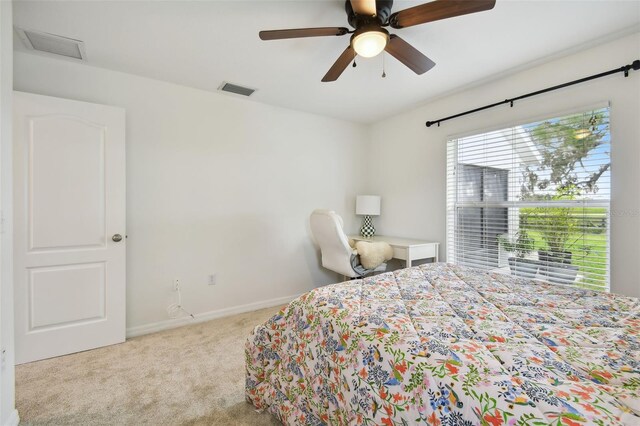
(441, 344)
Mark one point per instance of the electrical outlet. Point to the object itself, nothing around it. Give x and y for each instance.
(212, 279)
(176, 284)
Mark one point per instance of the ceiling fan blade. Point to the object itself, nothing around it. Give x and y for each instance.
(302, 32)
(436, 10)
(364, 7)
(340, 65)
(408, 55)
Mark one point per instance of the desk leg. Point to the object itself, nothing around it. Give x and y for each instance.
(409, 257)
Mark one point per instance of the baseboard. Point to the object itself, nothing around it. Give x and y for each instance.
(13, 419)
(206, 316)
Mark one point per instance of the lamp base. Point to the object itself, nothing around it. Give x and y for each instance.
(367, 230)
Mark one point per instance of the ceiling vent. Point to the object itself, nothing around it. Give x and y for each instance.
(51, 43)
(234, 88)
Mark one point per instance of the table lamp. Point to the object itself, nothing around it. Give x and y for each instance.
(367, 206)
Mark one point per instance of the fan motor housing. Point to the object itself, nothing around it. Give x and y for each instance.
(383, 8)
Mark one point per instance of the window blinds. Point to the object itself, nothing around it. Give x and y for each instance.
(533, 200)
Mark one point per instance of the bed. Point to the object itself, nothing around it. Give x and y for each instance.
(441, 344)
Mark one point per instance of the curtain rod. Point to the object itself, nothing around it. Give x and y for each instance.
(635, 65)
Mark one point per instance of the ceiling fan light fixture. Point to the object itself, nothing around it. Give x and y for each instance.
(370, 43)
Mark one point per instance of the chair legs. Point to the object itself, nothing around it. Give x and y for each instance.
(347, 278)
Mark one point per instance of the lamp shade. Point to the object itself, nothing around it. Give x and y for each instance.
(368, 205)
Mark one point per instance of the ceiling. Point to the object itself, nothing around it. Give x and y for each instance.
(202, 43)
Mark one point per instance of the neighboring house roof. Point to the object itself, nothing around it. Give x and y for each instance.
(499, 141)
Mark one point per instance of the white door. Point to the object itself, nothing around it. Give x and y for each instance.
(69, 198)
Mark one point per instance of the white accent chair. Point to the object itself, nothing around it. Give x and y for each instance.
(337, 254)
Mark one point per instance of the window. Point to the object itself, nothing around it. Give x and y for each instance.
(533, 200)
(480, 226)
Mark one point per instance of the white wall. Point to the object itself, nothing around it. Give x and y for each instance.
(408, 160)
(215, 184)
(8, 413)
(223, 185)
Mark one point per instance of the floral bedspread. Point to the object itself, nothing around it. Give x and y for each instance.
(441, 344)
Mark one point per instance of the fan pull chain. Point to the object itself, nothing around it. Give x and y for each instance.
(384, 74)
(355, 55)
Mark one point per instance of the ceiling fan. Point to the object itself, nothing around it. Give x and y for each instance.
(369, 38)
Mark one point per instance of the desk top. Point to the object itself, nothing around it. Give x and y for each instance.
(393, 241)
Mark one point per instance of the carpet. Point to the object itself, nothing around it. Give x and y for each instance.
(192, 375)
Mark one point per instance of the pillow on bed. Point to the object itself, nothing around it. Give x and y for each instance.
(373, 254)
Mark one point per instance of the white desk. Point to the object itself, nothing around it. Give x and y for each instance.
(406, 248)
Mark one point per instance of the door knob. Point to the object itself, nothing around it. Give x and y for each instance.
(117, 237)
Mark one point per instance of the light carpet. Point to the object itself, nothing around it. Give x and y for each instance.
(192, 375)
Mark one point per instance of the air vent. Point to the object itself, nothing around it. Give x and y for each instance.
(234, 88)
(51, 43)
